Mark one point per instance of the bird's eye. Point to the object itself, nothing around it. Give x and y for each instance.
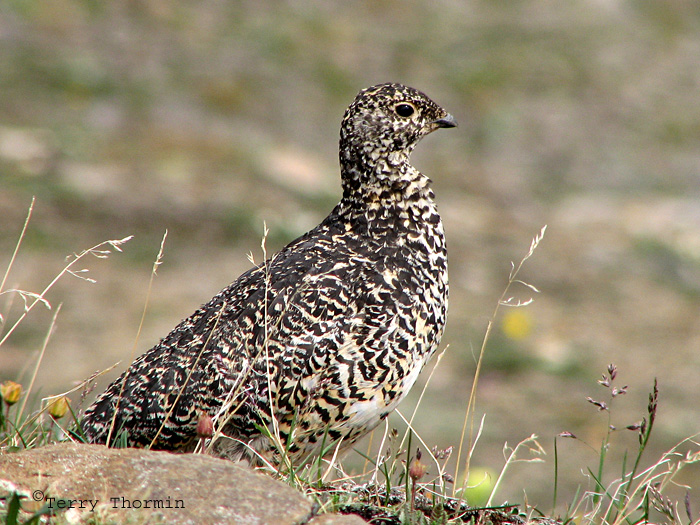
(404, 110)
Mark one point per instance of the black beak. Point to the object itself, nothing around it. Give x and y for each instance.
(448, 121)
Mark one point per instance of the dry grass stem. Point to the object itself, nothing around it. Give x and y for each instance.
(96, 251)
(189, 375)
(154, 270)
(512, 457)
(38, 362)
(502, 301)
(17, 245)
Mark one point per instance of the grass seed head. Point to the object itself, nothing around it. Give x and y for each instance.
(653, 401)
(600, 404)
(634, 426)
(619, 391)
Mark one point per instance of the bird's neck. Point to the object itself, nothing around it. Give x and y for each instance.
(384, 194)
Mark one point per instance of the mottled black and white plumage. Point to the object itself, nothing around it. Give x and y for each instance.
(328, 335)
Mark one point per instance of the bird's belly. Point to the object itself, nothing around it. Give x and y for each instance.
(368, 413)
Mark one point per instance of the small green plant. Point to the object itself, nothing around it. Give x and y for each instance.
(13, 512)
(631, 497)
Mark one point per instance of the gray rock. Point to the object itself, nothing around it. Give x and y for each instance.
(141, 486)
(337, 519)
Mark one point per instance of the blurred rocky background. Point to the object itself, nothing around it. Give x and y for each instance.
(210, 118)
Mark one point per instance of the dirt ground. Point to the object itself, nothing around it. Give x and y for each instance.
(209, 119)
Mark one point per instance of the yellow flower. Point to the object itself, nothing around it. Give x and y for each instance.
(59, 407)
(10, 392)
(516, 324)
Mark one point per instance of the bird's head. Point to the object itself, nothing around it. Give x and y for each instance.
(387, 119)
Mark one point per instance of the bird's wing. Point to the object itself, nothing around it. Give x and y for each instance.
(312, 323)
(339, 339)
